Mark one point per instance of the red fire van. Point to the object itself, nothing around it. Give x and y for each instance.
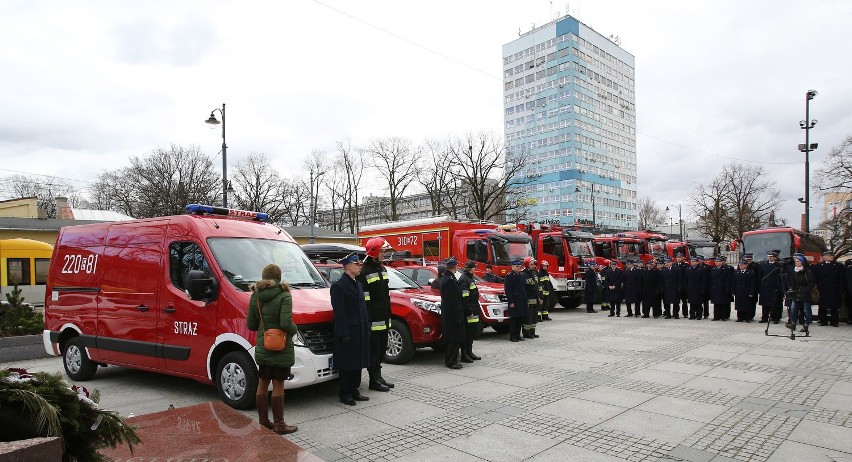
(170, 295)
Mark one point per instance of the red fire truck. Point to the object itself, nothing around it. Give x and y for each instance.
(438, 238)
(785, 239)
(565, 249)
(616, 248)
(652, 243)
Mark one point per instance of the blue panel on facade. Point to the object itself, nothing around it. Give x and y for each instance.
(567, 25)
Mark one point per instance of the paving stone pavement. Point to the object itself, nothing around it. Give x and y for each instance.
(591, 388)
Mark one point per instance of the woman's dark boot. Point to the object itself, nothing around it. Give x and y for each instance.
(263, 411)
(278, 417)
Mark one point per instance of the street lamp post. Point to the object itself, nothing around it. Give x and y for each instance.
(807, 125)
(313, 200)
(213, 121)
(577, 189)
(679, 220)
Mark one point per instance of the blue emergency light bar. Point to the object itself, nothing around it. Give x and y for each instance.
(198, 209)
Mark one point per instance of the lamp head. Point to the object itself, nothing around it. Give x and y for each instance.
(802, 123)
(811, 94)
(212, 120)
(802, 200)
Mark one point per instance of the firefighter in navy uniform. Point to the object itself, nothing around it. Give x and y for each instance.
(745, 292)
(533, 297)
(547, 295)
(831, 279)
(516, 299)
(696, 284)
(749, 258)
(452, 314)
(771, 293)
(470, 302)
(374, 278)
(682, 265)
(722, 288)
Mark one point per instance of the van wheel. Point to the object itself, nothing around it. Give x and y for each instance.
(236, 380)
(502, 328)
(78, 366)
(400, 347)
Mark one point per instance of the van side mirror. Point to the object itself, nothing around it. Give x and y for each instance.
(200, 286)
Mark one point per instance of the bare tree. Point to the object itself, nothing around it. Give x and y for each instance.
(259, 186)
(649, 214)
(836, 170)
(839, 230)
(751, 197)
(168, 179)
(708, 203)
(485, 174)
(436, 175)
(115, 191)
(44, 188)
(295, 204)
(351, 162)
(394, 159)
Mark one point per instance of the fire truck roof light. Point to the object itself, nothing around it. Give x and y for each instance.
(198, 209)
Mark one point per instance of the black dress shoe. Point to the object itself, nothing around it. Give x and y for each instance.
(474, 357)
(360, 397)
(467, 360)
(377, 386)
(348, 401)
(514, 340)
(384, 382)
(454, 366)
(645, 316)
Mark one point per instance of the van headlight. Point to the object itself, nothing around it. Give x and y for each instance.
(298, 340)
(491, 298)
(434, 307)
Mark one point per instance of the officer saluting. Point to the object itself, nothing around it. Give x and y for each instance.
(470, 301)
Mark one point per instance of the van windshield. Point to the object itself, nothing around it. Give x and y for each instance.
(242, 260)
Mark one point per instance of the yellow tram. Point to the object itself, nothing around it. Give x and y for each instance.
(25, 262)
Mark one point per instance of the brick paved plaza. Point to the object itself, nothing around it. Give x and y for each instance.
(591, 388)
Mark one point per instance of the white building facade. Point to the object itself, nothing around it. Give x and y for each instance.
(570, 115)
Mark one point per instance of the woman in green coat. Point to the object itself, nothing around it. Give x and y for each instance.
(272, 298)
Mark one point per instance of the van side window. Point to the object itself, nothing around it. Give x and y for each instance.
(18, 271)
(183, 257)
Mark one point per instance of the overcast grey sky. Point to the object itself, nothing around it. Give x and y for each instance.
(87, 84)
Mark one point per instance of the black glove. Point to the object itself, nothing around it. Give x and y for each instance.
(346, 340)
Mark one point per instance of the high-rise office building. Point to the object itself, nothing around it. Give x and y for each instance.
(570, 115)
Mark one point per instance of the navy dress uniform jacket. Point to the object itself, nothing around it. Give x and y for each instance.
(745, 284)
(350, 320)
(633, 285)
(830, 282)
(452, 311)
(516, 293)
(769, 283)
(672, 284)
(591, 291)
(722, 284)
(696, 284)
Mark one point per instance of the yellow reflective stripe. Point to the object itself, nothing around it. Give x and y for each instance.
(472, 286)
(473, 318)
(465, 293)
(372, 280)
(367, 296)
(373, 277)
(384, 275)
(545, 313)
(543, 278)
(533, 301)
(379, 325)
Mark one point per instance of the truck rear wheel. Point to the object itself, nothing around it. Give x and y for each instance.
(236, 380)
(400, 347)
(78, 366)
(570, 302)
(502, 328)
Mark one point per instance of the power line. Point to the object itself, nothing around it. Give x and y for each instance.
(715, 154)
(43, 175)
(447, 57)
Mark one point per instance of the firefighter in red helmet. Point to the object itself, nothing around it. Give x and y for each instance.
(533, 298)
(374, 278)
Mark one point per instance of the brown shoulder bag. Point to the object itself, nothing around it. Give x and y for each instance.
(273, 339)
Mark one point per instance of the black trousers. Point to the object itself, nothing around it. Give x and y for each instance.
(668, 312)
(378, 348)
(722, 310)
(684, 305)
(615, 308)
(470, 330)
(771, 312)
(348, 383)
(706, 306)
(451, 356)
(629, 306)
(696, 310)
(515, 327)
(753, 308)
(828, 314)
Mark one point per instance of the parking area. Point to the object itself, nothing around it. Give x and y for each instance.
(591, 388)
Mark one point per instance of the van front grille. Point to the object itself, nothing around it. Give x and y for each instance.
(318, 338)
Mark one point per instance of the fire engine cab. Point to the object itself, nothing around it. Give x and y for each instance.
(170, 295)
(565, 249)
(438, 238)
